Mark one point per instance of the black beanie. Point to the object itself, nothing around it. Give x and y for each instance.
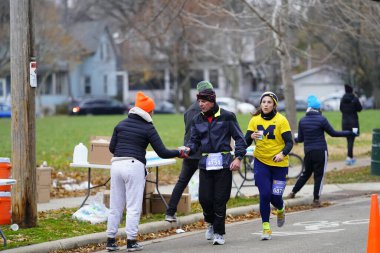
(348, 88)
(208, 95)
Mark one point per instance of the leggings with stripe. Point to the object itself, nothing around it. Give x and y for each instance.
(315, 162)
(271, 181)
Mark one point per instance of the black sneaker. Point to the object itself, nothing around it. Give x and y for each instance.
(132, 245)
(111, 244)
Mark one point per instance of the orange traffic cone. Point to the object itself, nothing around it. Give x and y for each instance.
(373, 243)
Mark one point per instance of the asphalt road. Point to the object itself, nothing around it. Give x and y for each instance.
(341, 227)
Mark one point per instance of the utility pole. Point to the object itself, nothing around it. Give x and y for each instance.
(24, 197)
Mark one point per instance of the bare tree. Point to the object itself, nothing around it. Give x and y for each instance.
(56, 49)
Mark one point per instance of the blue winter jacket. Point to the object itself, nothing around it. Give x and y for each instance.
(311, 131)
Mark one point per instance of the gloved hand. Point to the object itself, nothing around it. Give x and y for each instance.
(183, 154)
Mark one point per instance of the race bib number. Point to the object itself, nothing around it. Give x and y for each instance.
(214, 161)
(278, 187)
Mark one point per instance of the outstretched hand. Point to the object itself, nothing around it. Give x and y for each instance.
(183, 154)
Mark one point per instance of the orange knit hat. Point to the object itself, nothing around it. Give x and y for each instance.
(144, 102)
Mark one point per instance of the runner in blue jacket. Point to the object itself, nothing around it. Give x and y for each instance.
(311, 131)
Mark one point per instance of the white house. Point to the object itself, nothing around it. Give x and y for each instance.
(320, 81)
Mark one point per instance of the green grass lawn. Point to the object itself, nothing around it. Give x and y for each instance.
(57, 136)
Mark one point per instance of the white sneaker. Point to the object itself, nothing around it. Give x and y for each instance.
(218, 239)
(266, 235)
(209, 232)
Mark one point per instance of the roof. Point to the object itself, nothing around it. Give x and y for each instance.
(87, 34)
(316, 70)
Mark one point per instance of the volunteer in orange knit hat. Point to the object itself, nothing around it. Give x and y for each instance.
(144, 102)
(128, 144)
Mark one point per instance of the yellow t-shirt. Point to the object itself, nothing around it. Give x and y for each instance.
(272, 142)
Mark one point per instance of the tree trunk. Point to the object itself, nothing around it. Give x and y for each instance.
(282, 50)
(24, 201)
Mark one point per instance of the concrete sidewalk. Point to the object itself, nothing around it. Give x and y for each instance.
(248, 189)
(331, 192)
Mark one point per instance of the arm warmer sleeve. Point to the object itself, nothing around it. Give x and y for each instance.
(287, 136)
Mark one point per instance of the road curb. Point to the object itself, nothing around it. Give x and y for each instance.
(146, 228)
(154, 227)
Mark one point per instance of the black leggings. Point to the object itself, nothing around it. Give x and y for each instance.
(315, 163)
(350, 146)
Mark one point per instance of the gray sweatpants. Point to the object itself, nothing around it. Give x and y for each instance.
(127, 190)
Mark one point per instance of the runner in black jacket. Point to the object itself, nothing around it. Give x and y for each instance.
(311, 131)
(350, 106)
(189, 166)
(211, 133)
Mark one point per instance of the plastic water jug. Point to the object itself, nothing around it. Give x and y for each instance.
(80, 154)
(5, 172)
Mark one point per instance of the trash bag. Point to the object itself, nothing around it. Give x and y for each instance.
(95, 212)
(194, 186)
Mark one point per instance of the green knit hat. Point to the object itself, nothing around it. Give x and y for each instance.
(204, 85)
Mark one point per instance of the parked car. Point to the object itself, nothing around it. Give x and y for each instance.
(5, 111)
(234, 105)
(301, 105)
(97, 106)
(331, 102)
(165, 107)
(369, 103)
(254, 98)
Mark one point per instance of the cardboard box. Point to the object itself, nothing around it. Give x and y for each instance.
(44, 176)
(43, 184)
(43, 194)
(150, 187)
(157, 206)
(106, 198)
(99, 150)
(145, 205)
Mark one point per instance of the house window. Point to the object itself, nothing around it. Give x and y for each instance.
(87, 85)
(148, 80)
(60, 83)
(105, 84)
(101, 52)
(2, 88)
(196, 76)
(214, 75)
(47, 87)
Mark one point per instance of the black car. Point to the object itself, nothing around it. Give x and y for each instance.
(98, 106)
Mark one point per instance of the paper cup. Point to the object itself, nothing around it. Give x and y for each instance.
(261, 132)
(355, 130)
(186, 150)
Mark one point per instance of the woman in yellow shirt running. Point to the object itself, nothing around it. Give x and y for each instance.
(273, 138)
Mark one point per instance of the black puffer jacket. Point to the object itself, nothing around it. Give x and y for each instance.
(131, 137)
(311, 131)
(350, 106)
(188, 117)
